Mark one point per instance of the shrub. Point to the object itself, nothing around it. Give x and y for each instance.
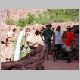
(30, 19)
(21, 23)
(50, 16)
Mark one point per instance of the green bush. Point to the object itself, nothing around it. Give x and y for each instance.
(30, 19)
(50, 16)
(21, 23)
(58, 15)
(63, 15)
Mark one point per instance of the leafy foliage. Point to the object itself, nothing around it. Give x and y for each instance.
(25, 48)
(49, 16)
(21, 23)
(62, 15)
(30, 19)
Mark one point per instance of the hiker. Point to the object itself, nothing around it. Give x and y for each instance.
(58, 41)
(47, 33)
(68, 44)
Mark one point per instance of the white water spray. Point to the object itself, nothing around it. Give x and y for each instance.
(17, 50)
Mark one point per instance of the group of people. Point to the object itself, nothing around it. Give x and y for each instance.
(61, 41)
(57, 38)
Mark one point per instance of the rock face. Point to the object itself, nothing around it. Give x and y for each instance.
(27, 64)
(15, 14)
(33, 61)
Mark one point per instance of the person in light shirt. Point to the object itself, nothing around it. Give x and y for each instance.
(58, 41)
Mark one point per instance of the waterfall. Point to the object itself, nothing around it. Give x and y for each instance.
(17, 50)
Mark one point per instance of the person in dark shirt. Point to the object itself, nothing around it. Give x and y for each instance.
(47, 33)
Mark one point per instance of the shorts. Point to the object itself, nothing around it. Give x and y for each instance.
(66, 48)
(47, 44)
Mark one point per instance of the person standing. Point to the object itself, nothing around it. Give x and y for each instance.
(58, 41)
(47, 33)
(68, 44)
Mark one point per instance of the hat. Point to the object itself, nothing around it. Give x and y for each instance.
(58, 26)
(68, 27)
(48, 25)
